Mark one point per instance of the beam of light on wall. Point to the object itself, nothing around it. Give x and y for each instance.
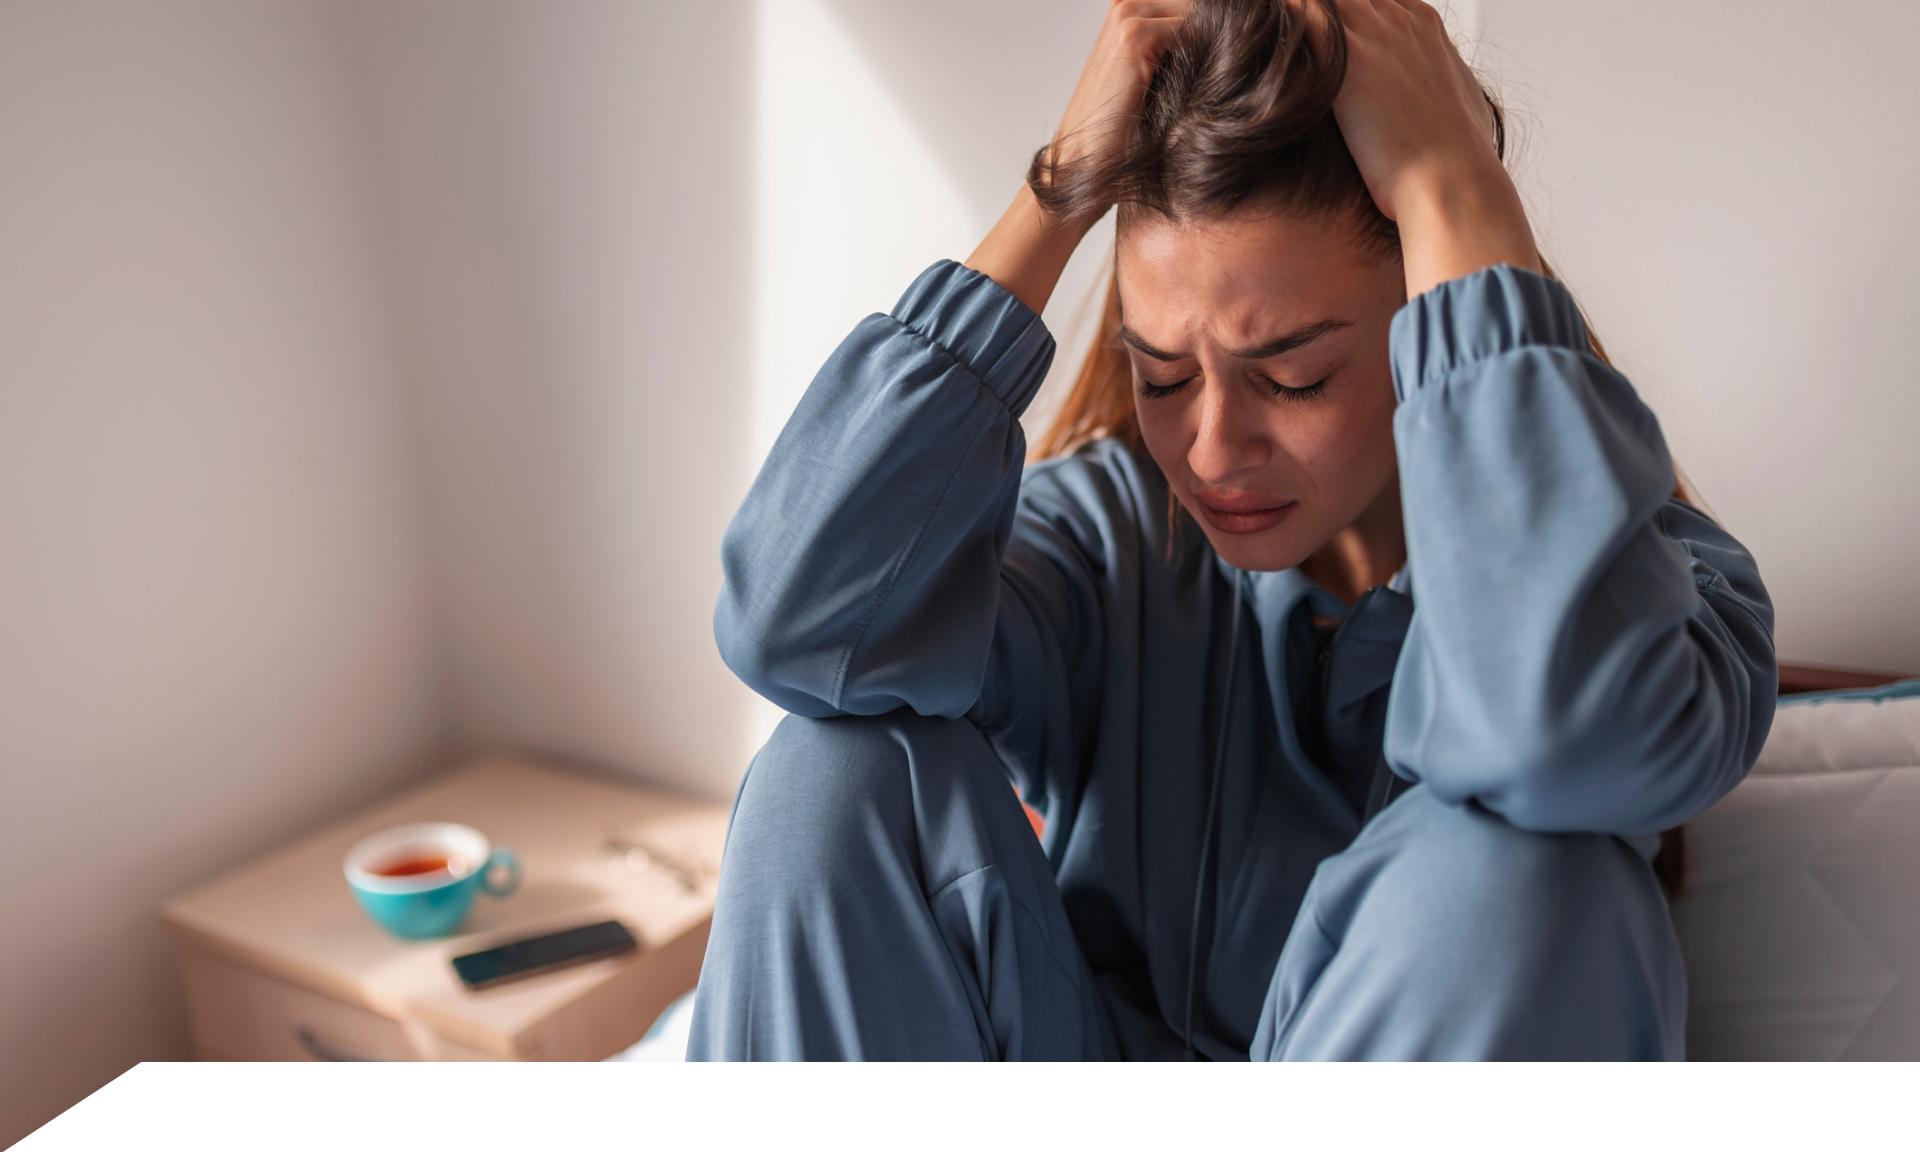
(1465, 23)
(850, 205)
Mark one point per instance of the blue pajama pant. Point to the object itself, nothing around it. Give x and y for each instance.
(883, 897)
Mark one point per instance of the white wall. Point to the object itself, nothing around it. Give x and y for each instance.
(1729, 187)
(627, 236)
(213, 610)
(377, 376)
(571, 207)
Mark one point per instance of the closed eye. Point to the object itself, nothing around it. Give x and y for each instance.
(1299, 394)
(1289, 393)
(1157, 391)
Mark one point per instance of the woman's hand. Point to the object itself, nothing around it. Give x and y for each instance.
(1113, 86)
(1422, 134)
(1026, 251)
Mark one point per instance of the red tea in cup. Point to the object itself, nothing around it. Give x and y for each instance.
(418, 881)
(418, 864)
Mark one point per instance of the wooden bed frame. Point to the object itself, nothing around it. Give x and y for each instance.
(1814, 678)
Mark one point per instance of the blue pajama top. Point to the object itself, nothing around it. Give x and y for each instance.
(1569, 647)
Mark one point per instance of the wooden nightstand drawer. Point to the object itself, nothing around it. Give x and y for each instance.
(240, 1014)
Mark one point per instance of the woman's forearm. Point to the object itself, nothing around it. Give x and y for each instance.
(1460, 222)
(1024, 253)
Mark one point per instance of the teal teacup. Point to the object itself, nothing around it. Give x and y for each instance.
(419, 880)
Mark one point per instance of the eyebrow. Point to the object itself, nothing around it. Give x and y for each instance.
(1275, 347)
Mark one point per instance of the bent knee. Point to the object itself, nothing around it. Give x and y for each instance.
(830, 793)
(1445, 932)
(833, 758)
(818, 780)
(1466, 867)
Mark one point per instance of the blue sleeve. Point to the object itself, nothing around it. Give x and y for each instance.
(885, 558)
(1586, 653)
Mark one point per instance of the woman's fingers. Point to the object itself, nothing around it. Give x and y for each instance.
(1420, 21)
(1312, 15)
(1026, 250)
(1128, 8)
(1409, 105)
(1420, 131)
(1433, 28)
(1144, 29)
(1148, 9)
(1112, 87)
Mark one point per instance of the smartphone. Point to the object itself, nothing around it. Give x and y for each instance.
(539, 954)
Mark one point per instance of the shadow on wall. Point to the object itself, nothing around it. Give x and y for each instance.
(568, 188)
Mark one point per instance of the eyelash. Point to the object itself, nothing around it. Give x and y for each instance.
(1299, 395)
(1280, 391)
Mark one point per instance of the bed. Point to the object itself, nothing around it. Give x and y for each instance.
(1799, 911)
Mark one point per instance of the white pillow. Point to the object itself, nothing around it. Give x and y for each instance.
(1800, 918)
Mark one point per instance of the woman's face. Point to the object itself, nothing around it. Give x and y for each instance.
(1259, 346)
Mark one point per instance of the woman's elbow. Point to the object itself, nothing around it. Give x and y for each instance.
(769, 663)
(1601, 782)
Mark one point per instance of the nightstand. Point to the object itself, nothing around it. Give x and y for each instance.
(281, 964)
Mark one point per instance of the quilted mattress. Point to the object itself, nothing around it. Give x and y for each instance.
(1801, 915)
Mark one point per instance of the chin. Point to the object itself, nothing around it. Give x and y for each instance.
(1274, 550)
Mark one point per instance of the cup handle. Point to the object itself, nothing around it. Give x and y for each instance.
(502, 860)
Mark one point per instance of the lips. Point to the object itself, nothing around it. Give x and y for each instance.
(1244, 514)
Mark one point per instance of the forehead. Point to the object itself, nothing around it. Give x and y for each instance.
(1241, 279)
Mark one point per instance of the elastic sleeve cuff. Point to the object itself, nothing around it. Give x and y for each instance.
(1478, 316)
(983, 326)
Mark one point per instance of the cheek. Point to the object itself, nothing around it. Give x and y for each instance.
(1352, 445)
(1164, 428)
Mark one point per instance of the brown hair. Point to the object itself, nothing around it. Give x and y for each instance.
(1240, 113)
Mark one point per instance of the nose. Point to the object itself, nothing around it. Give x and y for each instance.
(1229, 441)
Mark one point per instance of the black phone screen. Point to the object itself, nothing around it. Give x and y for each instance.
(543, 954)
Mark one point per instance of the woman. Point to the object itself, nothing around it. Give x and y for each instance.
(1355, 661)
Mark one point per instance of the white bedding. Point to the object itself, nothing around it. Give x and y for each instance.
(666, 1040)
(1801, 915)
